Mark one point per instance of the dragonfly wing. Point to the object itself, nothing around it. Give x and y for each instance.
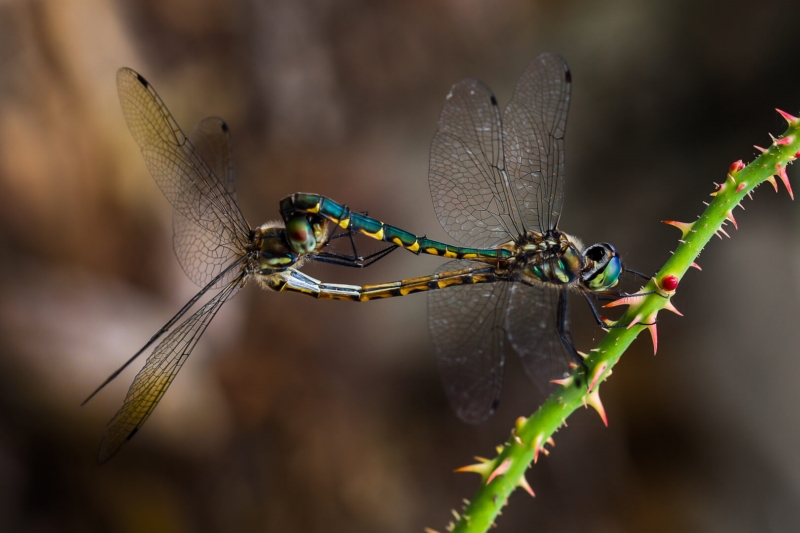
(189, 184)
(466, 175)
(160, 369)
(531, 320)
(203, 254)
(466, 324)
(535, 122)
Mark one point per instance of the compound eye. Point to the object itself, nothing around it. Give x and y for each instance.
(607, 276)
(300, 235)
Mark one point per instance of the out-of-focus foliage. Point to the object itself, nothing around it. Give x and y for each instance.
(296, 415)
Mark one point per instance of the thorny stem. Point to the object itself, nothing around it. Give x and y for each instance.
(506, 471)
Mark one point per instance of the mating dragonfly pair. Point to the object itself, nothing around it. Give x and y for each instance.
(498, 188)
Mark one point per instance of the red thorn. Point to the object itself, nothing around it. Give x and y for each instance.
(695, 265)
(789, 118)
(523, 483)
(741, 186)
(607, 321)
(685, 227)
(735, 167)
(784, 178)
(669, 306)
(774, 183)
(789, 139)
(566, 382)
(654, 335)
(593, 399)
(483, 467)
(500, 470)
(669, 283)
(757, 147)
(729, 216)
(597, 374)
(536, 445)
(636, 320)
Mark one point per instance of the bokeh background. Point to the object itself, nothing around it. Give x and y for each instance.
(298, 415)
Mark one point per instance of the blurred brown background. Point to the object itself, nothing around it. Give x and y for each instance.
(297, 415)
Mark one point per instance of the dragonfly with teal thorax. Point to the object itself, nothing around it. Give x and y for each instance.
(216, 247)
(498, 189)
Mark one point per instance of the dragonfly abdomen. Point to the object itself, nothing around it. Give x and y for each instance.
(346, 219)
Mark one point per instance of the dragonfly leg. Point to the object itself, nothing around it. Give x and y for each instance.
(563, 332)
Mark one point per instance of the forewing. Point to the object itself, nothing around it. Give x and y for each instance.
(189, 184)
(160, 369)
(203, 254)
(531, 326)
(533, 137)
(466, 325)
(466, 177)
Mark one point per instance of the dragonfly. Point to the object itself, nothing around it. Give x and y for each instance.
(497, 184)
(214, 244)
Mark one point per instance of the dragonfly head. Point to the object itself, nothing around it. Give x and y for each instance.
(274, 254)
(603, 267)
(305, 232)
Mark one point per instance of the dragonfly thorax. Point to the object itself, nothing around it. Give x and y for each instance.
(273, 249)
(553, 257)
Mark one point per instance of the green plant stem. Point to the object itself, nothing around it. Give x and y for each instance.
(530, 435)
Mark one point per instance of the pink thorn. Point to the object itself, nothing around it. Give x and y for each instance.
(636, 320)
(566, 382)
(685, 227)
(593, 399)
(729, 216)
(654, 335)
(669, 283)
(724, 233)
(536, 445)
(524, 484)
(741, 186)
(628, 300)
(550, 441)
(774, 183)
(784, 178)
(736, 166)
(789, 139)
(757, 147)
(695, 265)
(669, 306)
(789, 118)
(500, 470)
(598, 372)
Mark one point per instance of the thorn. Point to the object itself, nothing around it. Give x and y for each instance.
(741, 186)
(519, 424)
(669, 306)
(627, 300)
(789, 139)
(750, 194)
(593, 399)
(654, 334)
(566, 382)
(516, 438)
(789, 118)
(483, 467)
(735, 167)
(685, 227)
(721, 229)
(545, 451)
(582, 354)
(757, 147)
(523, 483)
(608, 322)
(774, 183)
(551, 442)
(636, 320)
(784, 178)
(597, 373)
(536, 445)
(729, 216)
(695, 265)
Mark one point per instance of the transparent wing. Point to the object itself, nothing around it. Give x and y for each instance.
(466, 325)
(468, 183)
(202, 254)
(531, 321)
(160, 369)
(192, 188)
(535, 121)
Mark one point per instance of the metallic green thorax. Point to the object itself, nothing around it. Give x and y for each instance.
(341, 215)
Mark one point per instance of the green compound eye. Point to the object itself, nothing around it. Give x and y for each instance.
(300, 235)
(607, 276)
